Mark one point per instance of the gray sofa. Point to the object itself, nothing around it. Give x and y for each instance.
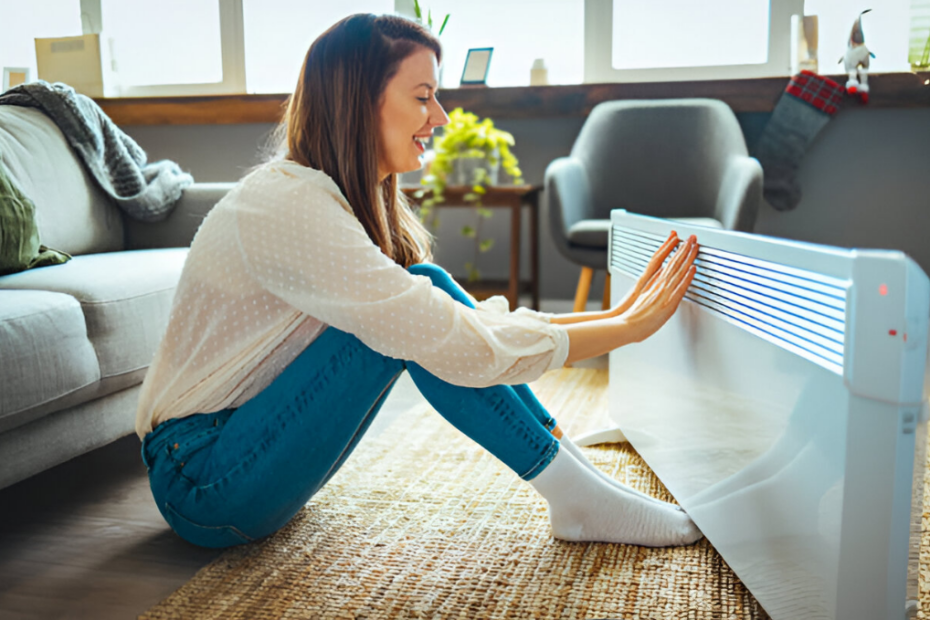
(76, 339)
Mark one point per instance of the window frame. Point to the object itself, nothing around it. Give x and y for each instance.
(232, 41)
(598, 42)
(598, 50)
(232, 53)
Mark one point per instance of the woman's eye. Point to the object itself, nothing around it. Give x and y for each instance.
(423, 99)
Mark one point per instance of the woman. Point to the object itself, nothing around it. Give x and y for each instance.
(308, 291)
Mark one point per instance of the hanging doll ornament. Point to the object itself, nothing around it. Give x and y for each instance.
(856, 61)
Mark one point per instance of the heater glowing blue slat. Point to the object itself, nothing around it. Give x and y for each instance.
(773, 268)
(803, 299)
(766, 304)
(798, 310)
(776, 331)
(831, 294)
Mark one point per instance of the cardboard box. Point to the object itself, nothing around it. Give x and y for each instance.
(76, 61)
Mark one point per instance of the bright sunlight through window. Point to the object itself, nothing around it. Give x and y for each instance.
(685, 33)
(164, 42)
(520, 31)
(278, 34)
(22, 22)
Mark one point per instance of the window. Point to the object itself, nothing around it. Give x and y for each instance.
(278, 34)
(549, 29)
(190, 47)
(520, 31)
(186, 34)
(634, 41)
(25, 21)
(684, 33)
(170, 47)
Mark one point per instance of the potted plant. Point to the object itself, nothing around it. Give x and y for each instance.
(429, 18)
(470, 152)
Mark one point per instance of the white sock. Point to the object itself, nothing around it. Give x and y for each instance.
(584, 507)
(576, 452)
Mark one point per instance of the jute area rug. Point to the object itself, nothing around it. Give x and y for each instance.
(423, 523)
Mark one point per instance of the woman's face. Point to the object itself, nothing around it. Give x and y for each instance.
(409, 111)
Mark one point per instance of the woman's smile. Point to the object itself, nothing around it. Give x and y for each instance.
(421, 141)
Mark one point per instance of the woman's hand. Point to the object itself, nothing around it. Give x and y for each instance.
(656, 297)
(655, 264)
(662, 292)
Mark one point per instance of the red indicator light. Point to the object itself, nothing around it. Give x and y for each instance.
(892, 332)
(883, 289)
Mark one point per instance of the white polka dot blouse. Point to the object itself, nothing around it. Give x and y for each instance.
(281, 258)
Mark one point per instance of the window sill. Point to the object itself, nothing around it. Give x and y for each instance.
(889, 90)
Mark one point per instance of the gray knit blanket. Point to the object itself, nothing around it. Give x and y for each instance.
(145, 191)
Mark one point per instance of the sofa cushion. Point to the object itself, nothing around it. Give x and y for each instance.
(126, 298)
(593, 233)
(44, 350)
(72, 213)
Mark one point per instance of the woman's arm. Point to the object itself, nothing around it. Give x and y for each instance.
(581, 317)
(595, 338)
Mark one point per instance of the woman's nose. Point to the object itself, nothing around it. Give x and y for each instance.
(438, 117)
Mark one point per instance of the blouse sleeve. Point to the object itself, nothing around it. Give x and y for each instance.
(498, 304)
(302, 243)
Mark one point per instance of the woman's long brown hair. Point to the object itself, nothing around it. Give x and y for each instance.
(332, 124)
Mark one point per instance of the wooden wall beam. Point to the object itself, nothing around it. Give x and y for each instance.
(890, 90)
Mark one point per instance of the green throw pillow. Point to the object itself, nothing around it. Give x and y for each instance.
(19, 235)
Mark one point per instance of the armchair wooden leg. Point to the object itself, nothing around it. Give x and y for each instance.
(584, 287)
(605, 304)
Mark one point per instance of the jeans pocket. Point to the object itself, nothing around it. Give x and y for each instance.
(213, 536)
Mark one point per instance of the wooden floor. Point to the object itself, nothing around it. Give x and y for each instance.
(85, 540)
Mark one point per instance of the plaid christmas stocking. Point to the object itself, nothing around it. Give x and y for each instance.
(809, 101)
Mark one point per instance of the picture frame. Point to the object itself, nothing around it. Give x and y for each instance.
(477, 63)
(14, 76)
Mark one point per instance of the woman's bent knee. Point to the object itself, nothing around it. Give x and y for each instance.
(433, 272)
(441, 279)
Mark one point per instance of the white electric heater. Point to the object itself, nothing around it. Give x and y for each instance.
(783, 406)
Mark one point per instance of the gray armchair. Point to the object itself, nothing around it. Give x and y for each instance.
(681, 159)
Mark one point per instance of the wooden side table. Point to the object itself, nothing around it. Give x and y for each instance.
(512, 197)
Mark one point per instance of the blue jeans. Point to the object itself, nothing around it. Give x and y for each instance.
(233, 476)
